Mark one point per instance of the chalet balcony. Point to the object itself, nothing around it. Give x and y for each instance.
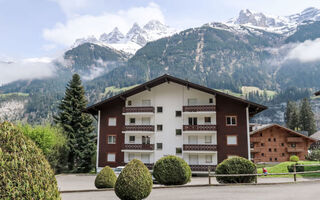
(255, 150)
(255, 139)
(199, 108)
(202, 167)
(148, 165)
(140, 109)
(149, 128)
(208, 127)
(294, 150)
(139, 146)
(294, 139)
(200, 147)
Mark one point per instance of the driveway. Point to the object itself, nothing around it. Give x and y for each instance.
(298, 191)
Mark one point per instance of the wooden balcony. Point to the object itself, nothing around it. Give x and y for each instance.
(139, 146)
(255, 139)
(208, 127)
(255, 150)
(148, 165)
(199, 108)
(202, 167)
(294, 150)
(200, 147)
(141, 109)
(294, 139)
(149, 128)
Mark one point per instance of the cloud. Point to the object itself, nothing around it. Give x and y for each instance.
(80, 26)
(26, 69)
(307, 51)
(71, 7)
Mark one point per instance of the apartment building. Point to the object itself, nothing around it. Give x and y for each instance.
(171, 116)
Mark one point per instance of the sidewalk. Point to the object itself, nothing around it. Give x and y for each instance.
(79, 182)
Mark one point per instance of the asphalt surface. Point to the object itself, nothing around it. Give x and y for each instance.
(298, 191)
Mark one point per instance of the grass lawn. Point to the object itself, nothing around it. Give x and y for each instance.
(282, 168)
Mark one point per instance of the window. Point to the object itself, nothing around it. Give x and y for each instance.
(270, 159)
(159, 109)
(207, 120)
(145, 139)
(159, 127)
(274, 139)
(112, 121)
(145, 120)
(275, 159)
(282, 144)
(178, 150)
(293, 145)
(262, 144)
(275, 150)
(262, 154)
(192, 121)
(208, 159)
(207, 139)
(130, 156)
(145, 158)
(269, 139)
(210, 100)
(231, 156)
(132, 139)
(132, 120)
(111, 157)
(178, 132)
(159, 145)
(129, 103)
(178, 113)
(192, 140)
(232, 140)
(192, 102)
(231, 120)
(193, 159)
(260, 134)
(146, 102)
(270, 150)
(251, 145)
(111, 139)
(282, 154)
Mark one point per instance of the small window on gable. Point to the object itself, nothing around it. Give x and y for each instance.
(159, 109)
(178, 132)
(132, 120)
(178, 113)
(129, 103)
(112, 121)
(231, 120)
(293, 145)
(159, 127)
(210, 100)
(159, 145)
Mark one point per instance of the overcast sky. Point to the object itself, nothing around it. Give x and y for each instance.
(38, 28)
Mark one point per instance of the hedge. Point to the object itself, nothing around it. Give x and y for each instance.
(106, 178)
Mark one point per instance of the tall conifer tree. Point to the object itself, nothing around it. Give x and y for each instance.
(306, 117)
(77, 127)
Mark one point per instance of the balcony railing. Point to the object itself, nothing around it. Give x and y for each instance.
(199, 127)
(200, 147)
(293, 150)
(199, 108)
(202, 167)
(148, 165)
(138, 128)
(294, 139)
(138, 109)
(255, 139)
(139, 146)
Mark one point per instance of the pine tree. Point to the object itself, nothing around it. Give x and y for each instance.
(292, 116)
(77, 127)
(306, 118)
(288, 113)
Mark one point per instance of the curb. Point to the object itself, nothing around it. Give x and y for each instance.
(191, 186)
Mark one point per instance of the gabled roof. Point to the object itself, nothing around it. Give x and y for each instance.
(316, 135)
(281, 127)
(254, 108)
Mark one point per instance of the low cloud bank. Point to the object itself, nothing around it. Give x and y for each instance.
(308, 51)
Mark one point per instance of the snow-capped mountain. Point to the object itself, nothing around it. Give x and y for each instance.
(277, 24)
(136, 37)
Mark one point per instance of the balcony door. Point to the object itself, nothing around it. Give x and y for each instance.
(145, 120)
(146, 139)
(145, 158)
(193, 160)
(193, 140)
(193, 121)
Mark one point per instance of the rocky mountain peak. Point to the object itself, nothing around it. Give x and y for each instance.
(113, 37)
(155, 25)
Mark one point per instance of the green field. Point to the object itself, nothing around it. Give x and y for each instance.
(116, 90)
(14, 94)
(246, 89)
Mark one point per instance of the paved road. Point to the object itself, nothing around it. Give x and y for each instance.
(306, 190)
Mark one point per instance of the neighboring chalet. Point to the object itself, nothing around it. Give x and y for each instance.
(275, 143)
(171, 116)
(316, 136)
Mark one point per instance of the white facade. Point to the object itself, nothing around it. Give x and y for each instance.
(171, 97)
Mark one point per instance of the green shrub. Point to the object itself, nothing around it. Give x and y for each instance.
(298, 168)
(24, 171)
(294, 158)
(106, 178)
(236, 165)
(172, 170)
(134, 182)
(314, 155)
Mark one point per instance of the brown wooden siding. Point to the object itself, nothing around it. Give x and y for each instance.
(229, 107)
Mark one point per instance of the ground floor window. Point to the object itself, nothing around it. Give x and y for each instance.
(193, 159)
(111, 157)
(145, 158)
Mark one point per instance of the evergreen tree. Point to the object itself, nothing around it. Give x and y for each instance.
(292, 116)
(77, 126)
(306, 118)
(288, 113)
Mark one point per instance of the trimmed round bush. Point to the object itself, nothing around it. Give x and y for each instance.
(294, 158)
(24, 171)
(314, 155)
(106, 178)
(172, 170)
(298, 168)
(134, 182)
(236, 165)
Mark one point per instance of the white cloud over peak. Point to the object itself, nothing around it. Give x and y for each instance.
(79, 26)
(307, 51)
(26, 69)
